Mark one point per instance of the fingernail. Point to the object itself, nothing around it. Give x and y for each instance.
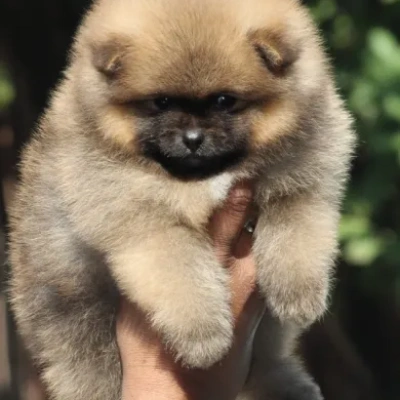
(250, 226)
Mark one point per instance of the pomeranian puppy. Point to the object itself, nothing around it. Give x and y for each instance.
(165, 105)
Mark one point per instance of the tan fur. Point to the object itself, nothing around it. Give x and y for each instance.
(94, 217)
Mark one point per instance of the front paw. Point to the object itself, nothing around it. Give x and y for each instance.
(200, 339)
(299, 303)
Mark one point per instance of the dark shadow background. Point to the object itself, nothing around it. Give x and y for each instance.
(355, 352)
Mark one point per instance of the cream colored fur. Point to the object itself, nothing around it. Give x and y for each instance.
(94, 217)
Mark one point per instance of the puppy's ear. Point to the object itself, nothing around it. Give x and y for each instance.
(274, 50)
(107, 57)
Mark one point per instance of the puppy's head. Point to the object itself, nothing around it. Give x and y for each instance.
(195, 87)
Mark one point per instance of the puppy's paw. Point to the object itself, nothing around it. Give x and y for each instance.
(204, 349)
(301, 303)
(199, 341)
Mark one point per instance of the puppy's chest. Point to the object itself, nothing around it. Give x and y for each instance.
(196, 201)
(219, 187)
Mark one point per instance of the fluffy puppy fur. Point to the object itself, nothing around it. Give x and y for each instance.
(164, 105)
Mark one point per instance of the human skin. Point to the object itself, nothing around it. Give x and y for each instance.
(150, 371)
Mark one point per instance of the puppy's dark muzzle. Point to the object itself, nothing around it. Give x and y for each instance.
(194, 166)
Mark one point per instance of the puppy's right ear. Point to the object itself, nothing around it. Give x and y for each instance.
(107, 57)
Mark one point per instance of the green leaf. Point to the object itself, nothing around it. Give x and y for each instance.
(354, 226)
(391, 106)
(324, 10)
(6, 89)
(344, 32)
(363, 252)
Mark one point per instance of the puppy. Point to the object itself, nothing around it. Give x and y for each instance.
(165, 105)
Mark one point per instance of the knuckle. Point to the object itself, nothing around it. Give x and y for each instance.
(239, 201)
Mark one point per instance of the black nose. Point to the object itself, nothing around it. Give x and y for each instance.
(193, 139)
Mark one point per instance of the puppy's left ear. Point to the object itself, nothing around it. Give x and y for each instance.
(274, 50)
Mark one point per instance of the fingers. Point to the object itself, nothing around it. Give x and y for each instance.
(243, 271)
(247, 305)
(227, 223)
(233, 247)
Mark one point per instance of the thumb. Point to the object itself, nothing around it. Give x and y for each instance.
(227, 223)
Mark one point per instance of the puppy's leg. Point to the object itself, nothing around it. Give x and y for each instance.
(65, 303)
(295, 247)
(176, 279)
(276, 374)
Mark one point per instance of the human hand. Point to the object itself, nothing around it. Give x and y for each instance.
(149, 371)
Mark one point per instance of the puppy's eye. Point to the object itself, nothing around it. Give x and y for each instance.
(224, 102)
(162, 103)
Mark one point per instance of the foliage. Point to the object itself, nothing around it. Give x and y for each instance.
(363, 39)
(6, 88)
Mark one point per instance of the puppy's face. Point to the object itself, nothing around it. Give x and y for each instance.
(193, 92)
(193, 136)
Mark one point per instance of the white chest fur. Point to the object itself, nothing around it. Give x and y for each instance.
(220, 186)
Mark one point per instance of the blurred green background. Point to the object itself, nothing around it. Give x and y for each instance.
(363, 39)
